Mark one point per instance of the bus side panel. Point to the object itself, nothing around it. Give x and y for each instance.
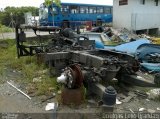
(76, 19)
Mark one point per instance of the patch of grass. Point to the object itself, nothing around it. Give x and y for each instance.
(47, 86)
(4, 29)
(2, 68)
(27, 66)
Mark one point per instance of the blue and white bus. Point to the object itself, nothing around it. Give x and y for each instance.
(73, 14)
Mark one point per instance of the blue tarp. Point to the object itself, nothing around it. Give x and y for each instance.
(154, 67)
(147, 52)
(131, 47)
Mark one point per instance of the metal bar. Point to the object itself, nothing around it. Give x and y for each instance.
(19, 90)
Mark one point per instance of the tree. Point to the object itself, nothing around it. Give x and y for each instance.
(49, 2)
(17, 14)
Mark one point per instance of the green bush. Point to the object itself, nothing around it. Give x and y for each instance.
(4, 29)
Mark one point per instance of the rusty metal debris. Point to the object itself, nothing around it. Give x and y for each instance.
(78, 63)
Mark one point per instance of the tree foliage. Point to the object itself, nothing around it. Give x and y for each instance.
(49, 2)
(17, 14)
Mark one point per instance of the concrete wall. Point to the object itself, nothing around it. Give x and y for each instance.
(122, 14)
(136, 16)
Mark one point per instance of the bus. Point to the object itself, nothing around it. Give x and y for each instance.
(74, 14)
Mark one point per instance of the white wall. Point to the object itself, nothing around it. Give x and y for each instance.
(135, 15)
(122, 14)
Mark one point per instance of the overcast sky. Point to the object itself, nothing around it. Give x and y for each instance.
(36, 3)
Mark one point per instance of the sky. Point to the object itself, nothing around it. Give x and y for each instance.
(36, 3)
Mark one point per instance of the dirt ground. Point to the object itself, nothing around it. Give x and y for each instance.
(14, 102)
(11, 35)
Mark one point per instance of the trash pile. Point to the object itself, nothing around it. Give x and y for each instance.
(123, 35)
(79, 63)
(140, 46)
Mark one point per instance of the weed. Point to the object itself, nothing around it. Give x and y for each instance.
(28, 67)
(4, 29)
(43, 88)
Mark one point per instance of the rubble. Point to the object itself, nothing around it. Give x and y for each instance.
(140, 93)
(154, 94)
(38, 79)
(78, 63)
(46, 98)
(51, 106)
(147, 100)
(131, 110)
(118, 102)
(136, 45)
(124, 34)
(129, 97)
(151, 111)
(141, 109)
(158, 109)
(91, 101)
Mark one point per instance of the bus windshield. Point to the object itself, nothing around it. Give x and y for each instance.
(43, 12)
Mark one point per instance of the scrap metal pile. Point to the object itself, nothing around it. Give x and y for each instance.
(77, 62)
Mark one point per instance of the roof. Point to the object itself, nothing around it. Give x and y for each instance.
(83, 4)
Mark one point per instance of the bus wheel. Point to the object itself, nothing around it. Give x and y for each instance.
(99, 22)
(65, 24)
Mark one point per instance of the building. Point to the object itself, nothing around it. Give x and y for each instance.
(31, 20)
(137, 15)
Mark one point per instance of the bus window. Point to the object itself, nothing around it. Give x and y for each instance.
(83, 9)
(99, 9)
(107, 10)
(92, 10)
(53, 10)
(43, 13)
(65, 9)
(74, 9)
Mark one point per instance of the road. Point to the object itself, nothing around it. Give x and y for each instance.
(11, 35)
